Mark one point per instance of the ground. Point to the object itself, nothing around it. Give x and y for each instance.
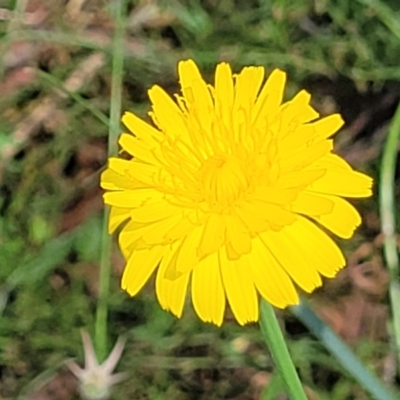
(55, 85)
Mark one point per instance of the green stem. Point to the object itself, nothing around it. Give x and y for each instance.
(101, 328)
(388, 223)
(341, 352)
(277, 346)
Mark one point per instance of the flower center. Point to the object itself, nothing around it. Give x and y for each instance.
(223, 182)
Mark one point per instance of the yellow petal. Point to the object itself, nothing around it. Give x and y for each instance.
(314, 247)
(129, 236)
(118, 165)
(189, 74)
(342, 220)
(156, 232)
(328, 126)
(312, 204)
(155, 211)
(181, 229)
(230, 252)
(273, 283)
(247, 86)
(166, 113)
(187, 256)
(300, 269)
(297, 111)
(213, 235)
(239, 288)
(299, 158)
(141, 129)
(298, 138)
(117, 217)
(275, 195)
(140, 266)
(270, 98)
(272, 213)
(252, 219)
(343, 183)
(313, 132)
(333, 161)
(150, 234)
(196, 93)
(111, 180)
(237, 235)
(300, 179)
(131, 198)
(171, 293)
(116, 176)
(224, 93)
(145, 173)
(138, 148)
(208, 295)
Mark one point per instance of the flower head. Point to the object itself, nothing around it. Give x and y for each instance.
(230, 193)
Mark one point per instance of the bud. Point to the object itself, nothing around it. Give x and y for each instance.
(96, 379)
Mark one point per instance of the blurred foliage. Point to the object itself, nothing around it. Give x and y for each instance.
(50, 220)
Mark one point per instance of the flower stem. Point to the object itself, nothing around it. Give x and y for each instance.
(388, 222)
(277, 346)
(101, 328)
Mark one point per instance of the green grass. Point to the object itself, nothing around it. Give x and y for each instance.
(51, 219)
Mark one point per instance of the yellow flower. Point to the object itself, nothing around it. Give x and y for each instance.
(230, 194)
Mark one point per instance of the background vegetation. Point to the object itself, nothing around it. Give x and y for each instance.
(55, 80)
